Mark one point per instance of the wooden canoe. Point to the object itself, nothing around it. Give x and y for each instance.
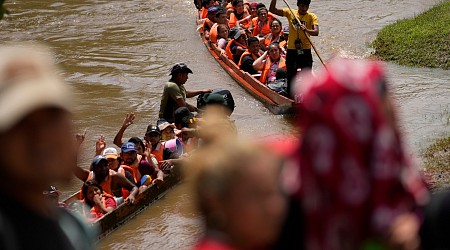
(125, 212)
(275, 102)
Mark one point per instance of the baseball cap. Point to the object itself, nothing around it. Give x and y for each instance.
(128, 147)
(110, 153)
(235, 33)
(179, 67)
(152, 129)
(165, 125)
(28, 81)
(213, 9)
(97, 160)
(182, 112)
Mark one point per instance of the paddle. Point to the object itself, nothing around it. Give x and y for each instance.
(307, 37)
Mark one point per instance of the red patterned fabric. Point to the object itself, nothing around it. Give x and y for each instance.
(211, 244)
(355, 175)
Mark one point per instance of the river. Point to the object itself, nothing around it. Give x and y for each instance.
(116, 55)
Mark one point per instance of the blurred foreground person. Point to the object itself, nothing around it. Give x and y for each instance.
(239, 193)
(358, 188)
(35, 124)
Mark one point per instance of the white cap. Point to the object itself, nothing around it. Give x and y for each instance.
(110, 153)
(28, 81)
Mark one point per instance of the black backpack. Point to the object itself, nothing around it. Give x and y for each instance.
(226, 95)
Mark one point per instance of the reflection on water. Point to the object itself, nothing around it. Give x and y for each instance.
(116, 55)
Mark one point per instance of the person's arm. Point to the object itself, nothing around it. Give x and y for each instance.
(190, 94)
(181, 103)
(273, 8)
(166, 164)
(129, 118)
(313, 32)
(123, 182)
(98, 202)
(218, 50)
(80, 173)
(258, 64)
(243, 20)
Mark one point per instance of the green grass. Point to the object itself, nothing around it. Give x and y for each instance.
(437, 164)
(422, 41)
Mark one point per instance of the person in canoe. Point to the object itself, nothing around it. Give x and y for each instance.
(167, 131)
(249, 56)
(269, 63)
(298, 55)
(175, 94)
(205, 5)
(131, 160)
(222, 41)
(96, 203)
(245, 22)
(221, 18)
(210, 19)
(237, 45)
(261, 24)
(112, 183)
(275, 35)
(239, 12)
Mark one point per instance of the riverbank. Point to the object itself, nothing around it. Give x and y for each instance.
(437, 164)
(422, 41)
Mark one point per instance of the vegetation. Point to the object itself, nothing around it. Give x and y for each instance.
(437, 164)
(3, 11)
(422, 41)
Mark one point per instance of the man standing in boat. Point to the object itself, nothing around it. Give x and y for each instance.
(175, 94)
(298, 53)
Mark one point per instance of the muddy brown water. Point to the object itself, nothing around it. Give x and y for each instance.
(116, 55)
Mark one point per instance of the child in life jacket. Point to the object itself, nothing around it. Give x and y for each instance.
(96, 202)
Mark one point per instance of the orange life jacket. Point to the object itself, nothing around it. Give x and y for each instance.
(246, 53)
(207, 25)
(158, 152)
(265, 27)
(106, 184)
(233, 18)
(269, 39)
(204, 13)
(213, 33)
(266, 68)
(95, 213)
(228, 48)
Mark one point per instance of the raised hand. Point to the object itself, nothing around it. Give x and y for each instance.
(129, 118)
(100, 145)
(80, 137)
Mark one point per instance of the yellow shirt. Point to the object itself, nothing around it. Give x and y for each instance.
(309, 20)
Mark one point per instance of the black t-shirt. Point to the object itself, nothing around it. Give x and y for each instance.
(22, 228)
(247, 65)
